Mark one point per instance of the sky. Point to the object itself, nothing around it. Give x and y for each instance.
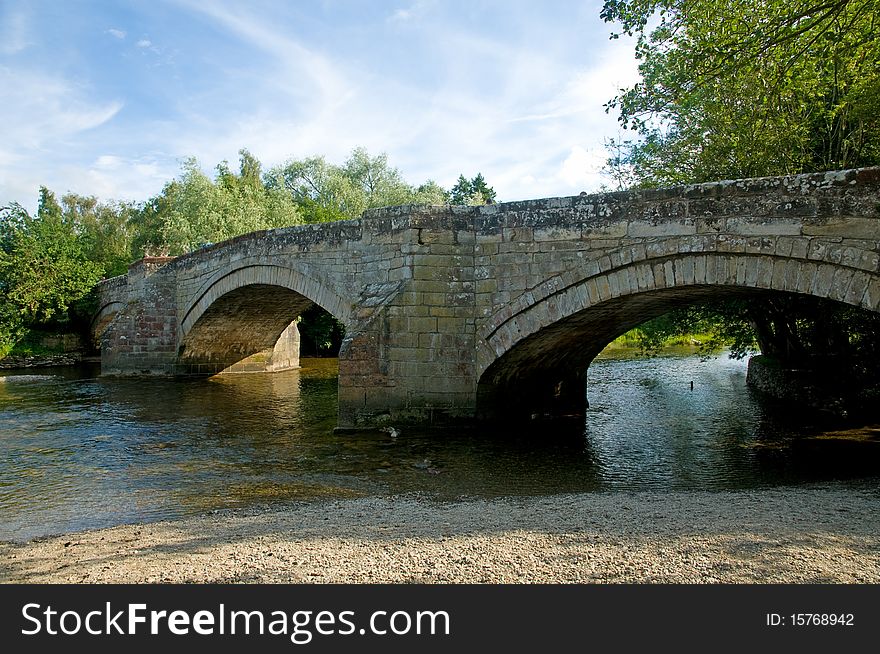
(109, 98)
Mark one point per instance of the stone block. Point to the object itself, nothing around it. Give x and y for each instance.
(840, 284)
(823, 280)
(638, 229)
(806, 277)
(871, 298)
(857, 288)
(843, 226)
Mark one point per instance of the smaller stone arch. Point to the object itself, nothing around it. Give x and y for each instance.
(245, 320)
(227, 281)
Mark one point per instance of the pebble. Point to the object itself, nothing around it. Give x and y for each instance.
(787, 535)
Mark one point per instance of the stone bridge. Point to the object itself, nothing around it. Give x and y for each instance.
(462, 312)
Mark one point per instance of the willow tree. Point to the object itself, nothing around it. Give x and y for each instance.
(325, 191)
(194, 210)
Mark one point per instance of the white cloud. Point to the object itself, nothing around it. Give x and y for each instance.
(43, 116)
(14, 36)
(408, 14)
(582, 167)
(144, 43)
(108, 162)
(119, 34)
(120, 178)
(39, 109)
(299, 70)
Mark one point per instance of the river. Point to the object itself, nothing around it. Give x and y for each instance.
(80, 452)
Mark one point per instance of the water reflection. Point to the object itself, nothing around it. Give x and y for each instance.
(88, 452)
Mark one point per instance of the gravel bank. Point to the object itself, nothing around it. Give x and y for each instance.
(828, 534)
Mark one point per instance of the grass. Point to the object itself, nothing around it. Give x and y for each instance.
(629, 343)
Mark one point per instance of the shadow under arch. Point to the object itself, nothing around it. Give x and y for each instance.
(245, 320)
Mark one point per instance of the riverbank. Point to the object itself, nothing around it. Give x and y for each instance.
(23, 361)
(822, 534)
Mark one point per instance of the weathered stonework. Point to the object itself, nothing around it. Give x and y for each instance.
(453, 312)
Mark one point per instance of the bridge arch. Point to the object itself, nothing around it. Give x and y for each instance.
(102, 319)
(547, 339)
(243, 318)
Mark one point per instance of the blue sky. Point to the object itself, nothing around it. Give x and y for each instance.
(107, 98)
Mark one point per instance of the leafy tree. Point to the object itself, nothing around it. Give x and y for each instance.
(320, 333)
(325, 192)
(753, 87)
(472, 191)
(430, 193)
(108, 231)
(43, 265)
(193, 210)
(319, 189)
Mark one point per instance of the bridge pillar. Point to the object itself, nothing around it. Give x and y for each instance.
(142, 339)
(284, 355)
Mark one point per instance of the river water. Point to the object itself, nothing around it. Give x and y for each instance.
(80, 452)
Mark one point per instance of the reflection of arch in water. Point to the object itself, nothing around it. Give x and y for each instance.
(535, 357)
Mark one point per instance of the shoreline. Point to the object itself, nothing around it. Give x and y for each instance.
(819, 534)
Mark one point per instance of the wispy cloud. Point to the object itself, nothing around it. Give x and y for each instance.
(14, 33)
(295, 64)
(410, 13)
(426, 82)
(41, 115)
(40, 109)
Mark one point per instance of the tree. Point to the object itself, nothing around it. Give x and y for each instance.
(472, 192)
(193, 211)
(756, 87)
(108, 231)
(43, 265)
(431, 193)
(321, 333)
(325, 192)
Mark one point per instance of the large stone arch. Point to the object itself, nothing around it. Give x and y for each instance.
(547, 338)
(242, 319)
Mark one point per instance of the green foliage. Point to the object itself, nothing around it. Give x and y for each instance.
(472, 192)
(194, 211)
(325, 192)
(108, 231)
(43, 267)
(33, 343)
(748, 88)
(727, 324)
(320, 333)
